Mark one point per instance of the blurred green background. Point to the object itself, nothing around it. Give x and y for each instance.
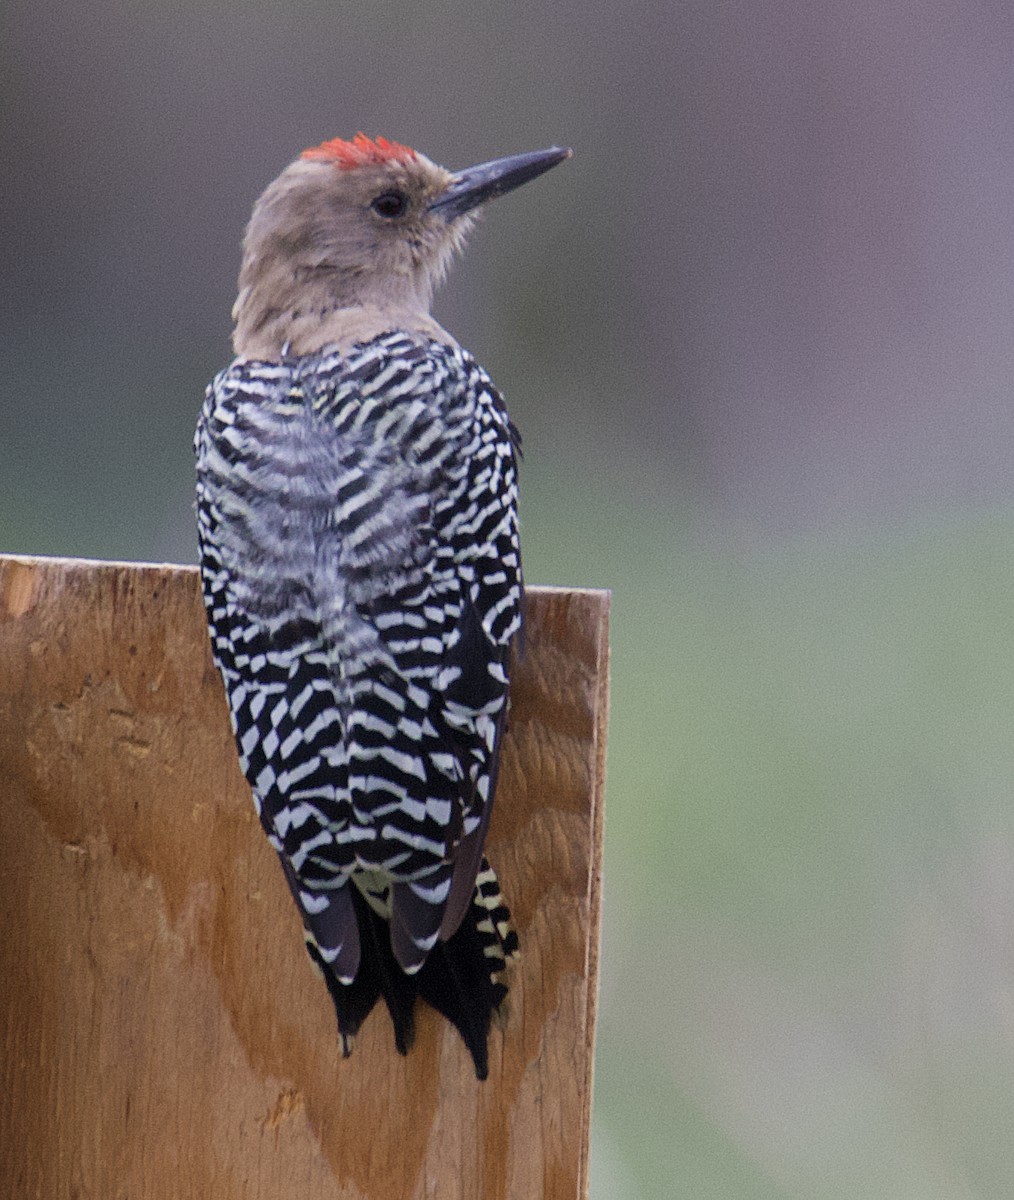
(757, 336)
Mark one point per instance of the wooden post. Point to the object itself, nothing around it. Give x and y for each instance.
(162, 1033)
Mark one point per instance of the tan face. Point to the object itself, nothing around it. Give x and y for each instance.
(367, 231)
(352, 238)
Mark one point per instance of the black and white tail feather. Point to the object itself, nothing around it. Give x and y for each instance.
(458, 978)
(357, 520)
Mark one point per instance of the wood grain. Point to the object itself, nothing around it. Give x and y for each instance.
(163, 1033)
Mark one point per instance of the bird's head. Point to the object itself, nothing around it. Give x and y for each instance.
(357, 232)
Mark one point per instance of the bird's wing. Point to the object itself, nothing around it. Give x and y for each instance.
(447, 608)
(361, 512)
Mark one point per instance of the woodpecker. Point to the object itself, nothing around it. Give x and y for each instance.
(360, 564)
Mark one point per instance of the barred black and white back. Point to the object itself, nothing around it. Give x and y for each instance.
(357, 519)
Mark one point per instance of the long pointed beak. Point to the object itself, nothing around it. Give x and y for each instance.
(476, 185)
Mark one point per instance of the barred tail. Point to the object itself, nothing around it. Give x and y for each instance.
(458, 978)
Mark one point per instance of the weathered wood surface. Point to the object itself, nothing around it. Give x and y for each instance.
(162, 1033)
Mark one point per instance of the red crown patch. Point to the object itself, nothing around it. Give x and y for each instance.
(360, 152)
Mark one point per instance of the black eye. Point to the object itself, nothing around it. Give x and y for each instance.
(390, 205)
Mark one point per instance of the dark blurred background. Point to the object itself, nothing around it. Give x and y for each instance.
(758, 337)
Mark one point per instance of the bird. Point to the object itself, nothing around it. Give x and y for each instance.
(357, 523)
